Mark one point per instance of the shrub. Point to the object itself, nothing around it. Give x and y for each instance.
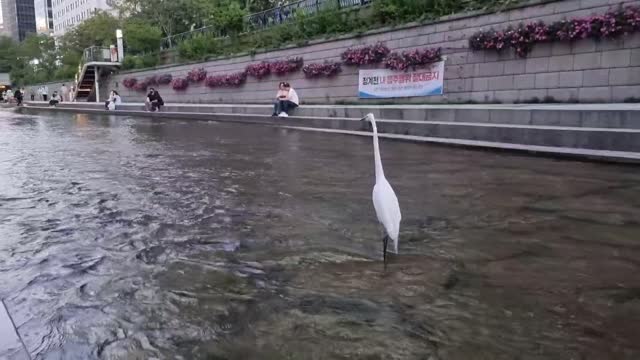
(372, 54)
(412, 59)
(197, 75)
(128, 63)
(129, 83)
(326, 69)
(200, 46)
(179, 84)
(164, 79)
(148, 60)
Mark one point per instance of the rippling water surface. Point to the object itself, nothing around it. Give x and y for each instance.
(126, 238)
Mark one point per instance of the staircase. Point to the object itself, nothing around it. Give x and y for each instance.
(86, 85)
(95, 61)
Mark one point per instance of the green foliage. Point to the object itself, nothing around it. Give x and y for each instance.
(141, 37)
(7, 54)
(36, 59)
(140, 61)
(100, 30)
(402, 11)
(228, 17)
(329, 21)
(199, 47)
(171, 16)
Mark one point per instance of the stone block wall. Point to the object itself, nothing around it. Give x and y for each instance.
(585, 71)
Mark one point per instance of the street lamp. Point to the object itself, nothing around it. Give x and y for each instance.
(120, 45)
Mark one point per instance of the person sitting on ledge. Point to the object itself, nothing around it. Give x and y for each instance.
(55, 99)
(114, 99)
(154, 100)
(286, 100)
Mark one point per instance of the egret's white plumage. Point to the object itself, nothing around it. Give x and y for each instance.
(385, 200)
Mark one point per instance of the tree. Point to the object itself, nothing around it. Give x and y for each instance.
(100, 30)
(35, 60)
(172, 16)
(228, 17)
(7, 54)
(141, 37)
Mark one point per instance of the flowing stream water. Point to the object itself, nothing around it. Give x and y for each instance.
(131, 238)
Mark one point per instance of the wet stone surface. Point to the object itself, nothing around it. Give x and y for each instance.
(124, 238)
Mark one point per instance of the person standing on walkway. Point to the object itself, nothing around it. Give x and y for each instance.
(45, 93)
(32, 93)
(19, 95)
(64, 93)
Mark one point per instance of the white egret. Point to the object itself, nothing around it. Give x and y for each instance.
(385, 200)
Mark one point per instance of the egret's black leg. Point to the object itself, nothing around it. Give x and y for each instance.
(385, 241)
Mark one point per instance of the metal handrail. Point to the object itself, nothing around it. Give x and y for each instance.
(97, 53)
(265, 19)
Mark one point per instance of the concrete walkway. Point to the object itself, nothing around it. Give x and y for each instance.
(609, 132)
(11, 346)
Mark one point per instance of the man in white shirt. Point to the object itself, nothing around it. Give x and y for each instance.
(45, 93)
(64, 93)
(286, 104)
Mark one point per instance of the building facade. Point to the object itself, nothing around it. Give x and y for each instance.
(19, 18)
(69, 13)
(44, 16)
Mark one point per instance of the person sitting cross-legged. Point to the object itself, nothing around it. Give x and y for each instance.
(154, 100)
(55, 99)
(286, 100)
(114, 99)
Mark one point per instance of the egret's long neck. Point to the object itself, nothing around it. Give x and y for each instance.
(376, 152)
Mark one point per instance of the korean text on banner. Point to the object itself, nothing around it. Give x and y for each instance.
(384, 83)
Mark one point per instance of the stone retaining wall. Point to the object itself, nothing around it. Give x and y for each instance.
(585, 71)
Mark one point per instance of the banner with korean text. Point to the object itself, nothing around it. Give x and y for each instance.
(384, 83)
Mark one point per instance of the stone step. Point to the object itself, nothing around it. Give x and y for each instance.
(599, 155)
(609, 139)
(571, 115)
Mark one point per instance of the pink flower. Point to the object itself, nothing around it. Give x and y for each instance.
(326, 69)
(179, 84)
(197, 75)
(372, 54)
(129, 83)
